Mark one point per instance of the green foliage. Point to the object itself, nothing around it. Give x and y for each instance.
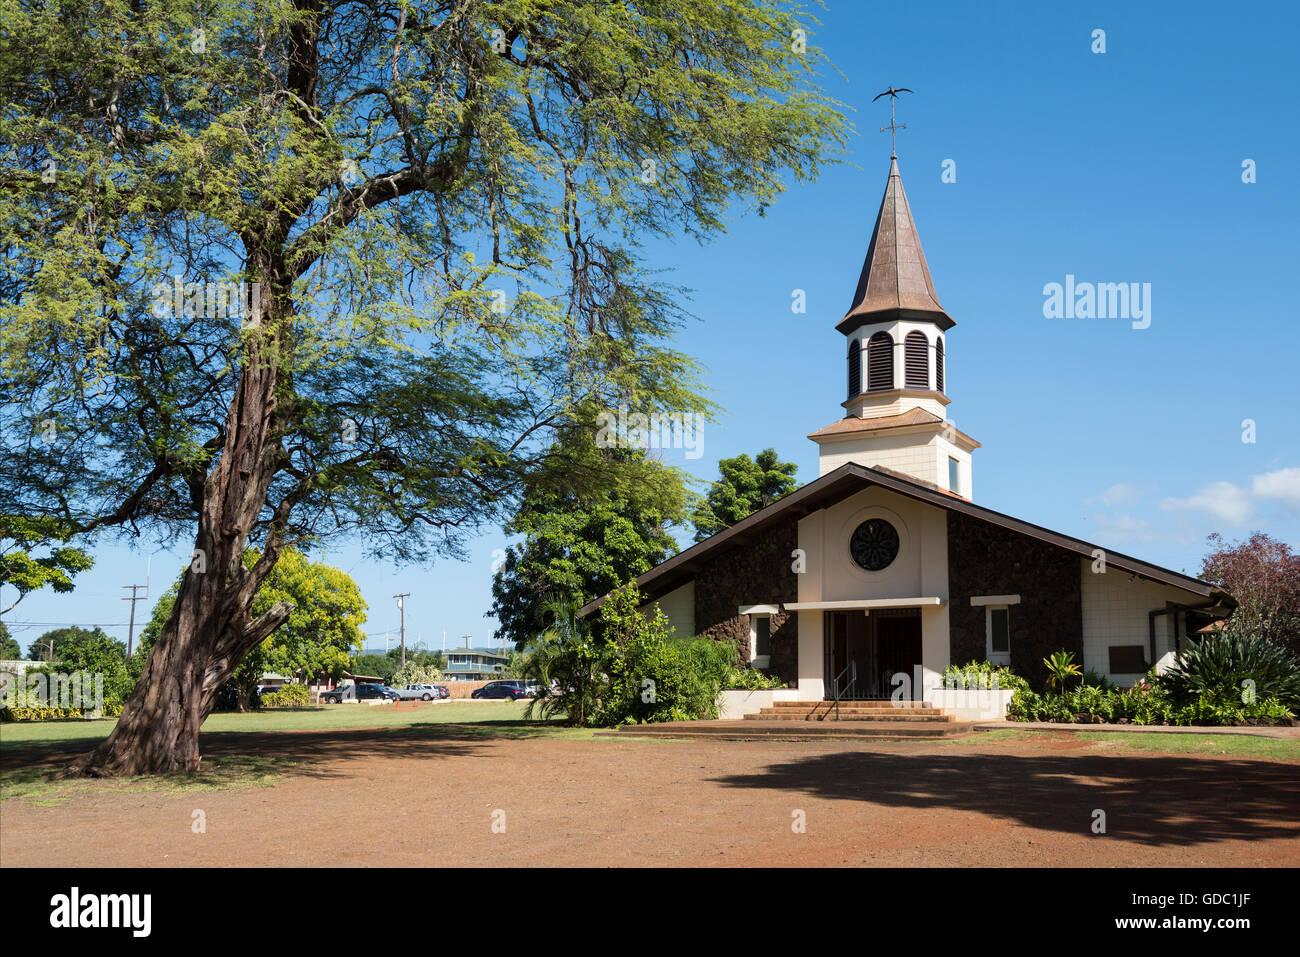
(383, 210)
(9, 648)
(570, 667)
(983, 674)
(1061, 669)
(73, 641)
(375, 666)
(444, 233)
(1095, 679)
(36, 696)
(750, 679)
(38, 712)
(288, 696)
(591, 518)
(418, 656)
(325, 624)
(92, 651)
(316, 640)
(635, 671)
(1222, 667)
(21, 536)
(745, 486)
(414, 674)
(654, 676)
(1144, 704)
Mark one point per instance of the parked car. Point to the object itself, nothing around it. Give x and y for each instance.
(441, 691)
(361, 692)
(510, 688)
(420, 693)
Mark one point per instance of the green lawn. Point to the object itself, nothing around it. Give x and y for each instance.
(496, 718)
(1236, 745)
(503, 716)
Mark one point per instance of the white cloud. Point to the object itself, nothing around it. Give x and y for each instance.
(1124, 528)
(1224, 501)
(1122, 494)
(1282, 485)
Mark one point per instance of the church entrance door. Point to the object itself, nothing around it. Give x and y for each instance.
(865, 651)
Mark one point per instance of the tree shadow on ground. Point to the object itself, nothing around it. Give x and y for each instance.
(1158, 801)
(308, 752)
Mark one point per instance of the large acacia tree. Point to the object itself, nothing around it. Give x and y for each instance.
(433, 209)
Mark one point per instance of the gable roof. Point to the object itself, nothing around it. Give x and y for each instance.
(851, 478)
(895, 280)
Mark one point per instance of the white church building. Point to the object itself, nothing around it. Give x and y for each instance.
(885, 563)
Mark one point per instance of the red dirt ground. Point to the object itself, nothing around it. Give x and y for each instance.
(372, 797)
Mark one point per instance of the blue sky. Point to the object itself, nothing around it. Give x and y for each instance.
(1123, 166)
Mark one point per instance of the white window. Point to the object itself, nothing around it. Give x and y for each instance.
(954, 475)
(997, 628)
(760, 640)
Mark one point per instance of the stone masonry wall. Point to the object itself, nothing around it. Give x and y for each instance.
(986, 559)
(757, 574)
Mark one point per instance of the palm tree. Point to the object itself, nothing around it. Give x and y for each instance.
(568, 665)
(1060, 669)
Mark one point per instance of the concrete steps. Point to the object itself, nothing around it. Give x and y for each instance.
(816, 721)
(886, 711)
(733, 730)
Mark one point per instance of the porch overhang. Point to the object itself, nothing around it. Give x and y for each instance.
(862, 604)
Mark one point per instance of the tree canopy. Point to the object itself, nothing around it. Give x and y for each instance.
(1263, 575)
(317, 639)
(19, 537)
(70, 643)
(9, 648)
(90, 650)
(745, 486)
(277, 271)
(591, 519)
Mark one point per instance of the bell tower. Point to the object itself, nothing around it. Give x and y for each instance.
(896, 410)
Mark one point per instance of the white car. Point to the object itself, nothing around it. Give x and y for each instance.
(418, 693)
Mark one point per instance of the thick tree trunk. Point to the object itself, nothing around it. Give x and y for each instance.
(210, 630)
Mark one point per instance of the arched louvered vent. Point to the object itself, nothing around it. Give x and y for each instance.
(938, 364)
(916, 360)
(855, 368)
(880, 362)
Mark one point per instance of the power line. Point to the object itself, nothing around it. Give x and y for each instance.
(133, 599)
(401, 605)
(67, 624)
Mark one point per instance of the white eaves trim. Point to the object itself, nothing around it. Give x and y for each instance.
(863, 603)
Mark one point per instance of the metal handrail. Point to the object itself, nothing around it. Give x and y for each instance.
(852, 666)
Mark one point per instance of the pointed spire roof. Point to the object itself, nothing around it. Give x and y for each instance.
(895, 281)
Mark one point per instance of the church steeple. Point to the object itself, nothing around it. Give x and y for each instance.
(897, 415)
(895, 282)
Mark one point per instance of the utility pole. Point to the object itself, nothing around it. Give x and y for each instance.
(130, 633)
(401, 606)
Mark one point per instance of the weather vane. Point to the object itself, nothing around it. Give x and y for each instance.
(892, 127)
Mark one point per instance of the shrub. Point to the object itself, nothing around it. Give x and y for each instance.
(1095, 679)
(751, 679)
(1221, 666)
(1061, 669)
(982, 674)
(414, 674)
(569, 666)
(288, 696)
(38, 713)
(656, 677)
